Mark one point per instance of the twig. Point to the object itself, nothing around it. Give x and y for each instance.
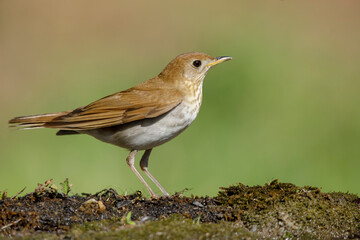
(18, 193)
(10, 224)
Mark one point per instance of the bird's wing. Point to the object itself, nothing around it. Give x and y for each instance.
(143, 101)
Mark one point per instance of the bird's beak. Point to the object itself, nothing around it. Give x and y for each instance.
(218, 60)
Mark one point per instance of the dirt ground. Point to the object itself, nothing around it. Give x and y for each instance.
(275, 210)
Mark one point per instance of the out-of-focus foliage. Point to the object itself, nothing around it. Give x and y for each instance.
(286, 106)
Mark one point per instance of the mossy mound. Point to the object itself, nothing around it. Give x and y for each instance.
(275, 210)
(285, 210)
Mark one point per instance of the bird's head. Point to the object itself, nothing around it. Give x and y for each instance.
(191, 67)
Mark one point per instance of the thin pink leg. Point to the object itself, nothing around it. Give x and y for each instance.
(130, 161)
(144, 166)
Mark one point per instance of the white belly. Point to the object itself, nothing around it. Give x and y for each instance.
(148, 133)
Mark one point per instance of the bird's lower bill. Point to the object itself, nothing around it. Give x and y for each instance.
(219, 60)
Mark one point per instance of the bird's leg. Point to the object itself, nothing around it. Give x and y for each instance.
(130, 161)
(144, 166)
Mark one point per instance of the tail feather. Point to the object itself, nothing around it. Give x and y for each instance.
(35, 121)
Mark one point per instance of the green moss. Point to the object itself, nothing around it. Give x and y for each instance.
(174, 227)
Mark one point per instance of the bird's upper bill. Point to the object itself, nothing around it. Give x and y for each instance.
(219, 60)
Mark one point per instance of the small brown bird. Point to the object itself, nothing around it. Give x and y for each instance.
(142, 117)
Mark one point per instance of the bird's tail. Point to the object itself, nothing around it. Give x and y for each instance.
(35, 121)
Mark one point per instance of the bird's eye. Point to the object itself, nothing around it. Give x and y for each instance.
(197, 63)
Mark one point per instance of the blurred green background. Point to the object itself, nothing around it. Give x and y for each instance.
(286, 106)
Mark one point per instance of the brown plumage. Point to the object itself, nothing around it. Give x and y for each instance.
(141, 117)
(147, 100)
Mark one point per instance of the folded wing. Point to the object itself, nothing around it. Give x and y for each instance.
(147, 100)
(127, 106)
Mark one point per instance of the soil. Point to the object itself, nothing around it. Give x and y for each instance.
(275, 210)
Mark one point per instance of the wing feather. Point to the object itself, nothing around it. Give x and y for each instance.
(147, 100)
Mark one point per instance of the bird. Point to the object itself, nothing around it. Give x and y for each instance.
(139, 118)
